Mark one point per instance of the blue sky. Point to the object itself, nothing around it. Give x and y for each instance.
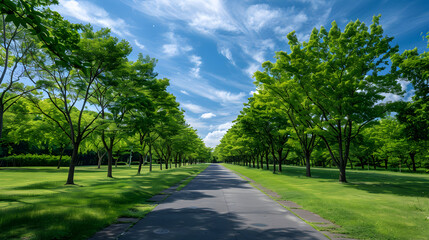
(209, 49)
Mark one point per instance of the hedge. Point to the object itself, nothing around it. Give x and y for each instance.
(33, 160)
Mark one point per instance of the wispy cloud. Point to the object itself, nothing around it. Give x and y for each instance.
(227, 53)
(203, 15)
(88, 12)
(175, 46)
(406, 87)
(193, 107)
(259, 15)
(208, 115)
(196, 60)
(237, 25)
(253, 67)
(184, 92)
(138, 44)
(195, 122)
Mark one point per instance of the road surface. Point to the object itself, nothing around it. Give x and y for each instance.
(218, 204)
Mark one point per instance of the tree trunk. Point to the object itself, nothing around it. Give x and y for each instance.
(2, 152)
(140, 164)
(307, 164)
(150, 155)
(413, 161)
(257, 161)
(280, 159)
(61, 156)
(100, 158)
(351, 163)
(109, 163)
(274, 162)
(342, 174)
(73, 160)
(266, 160)
(373, 161)
(361, 162)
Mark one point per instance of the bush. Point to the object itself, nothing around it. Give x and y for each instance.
(33, 160)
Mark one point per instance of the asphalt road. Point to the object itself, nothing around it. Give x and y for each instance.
(218, 204)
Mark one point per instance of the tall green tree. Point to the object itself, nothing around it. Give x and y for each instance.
(345, 81)
(70, 89)
(414, 67)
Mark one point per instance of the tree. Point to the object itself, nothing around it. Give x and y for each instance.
(343, 80)
(263, 118)
(66, 87)
(121, 92)
(415, 114)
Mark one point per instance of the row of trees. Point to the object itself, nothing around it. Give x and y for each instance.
(83, 91)
(324, 99)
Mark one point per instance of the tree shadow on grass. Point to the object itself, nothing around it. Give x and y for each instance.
(69, 212)
(415, 185)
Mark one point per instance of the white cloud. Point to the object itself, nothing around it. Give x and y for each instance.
(259, 15)
(176, 45)
(227, 53)
(252, 92)
(203, 88)
(138, 44)
(409, 93)
(283, 31)
(389, 97)
(170, 49)
(314, 3)
(195, 122)
(184, 92)
(193, 107)
(205, 16)
(228, 96)
(91, 13)
(225, 126)
(196, 60)
(213, 138)
(236, 23)
(253, 67)
(208, 115)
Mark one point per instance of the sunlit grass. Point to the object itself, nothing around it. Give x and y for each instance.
(373, 205)
(35, 203)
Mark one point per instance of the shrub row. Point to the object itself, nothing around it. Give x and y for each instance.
(33, 160)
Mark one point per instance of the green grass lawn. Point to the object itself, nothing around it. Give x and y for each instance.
(373, 205)
(35, 203)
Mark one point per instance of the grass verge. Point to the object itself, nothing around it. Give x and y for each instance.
(35, 203)
(373, 205)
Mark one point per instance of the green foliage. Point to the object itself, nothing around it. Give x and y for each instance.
(331, 87)
(33, 160)
(48, 26)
